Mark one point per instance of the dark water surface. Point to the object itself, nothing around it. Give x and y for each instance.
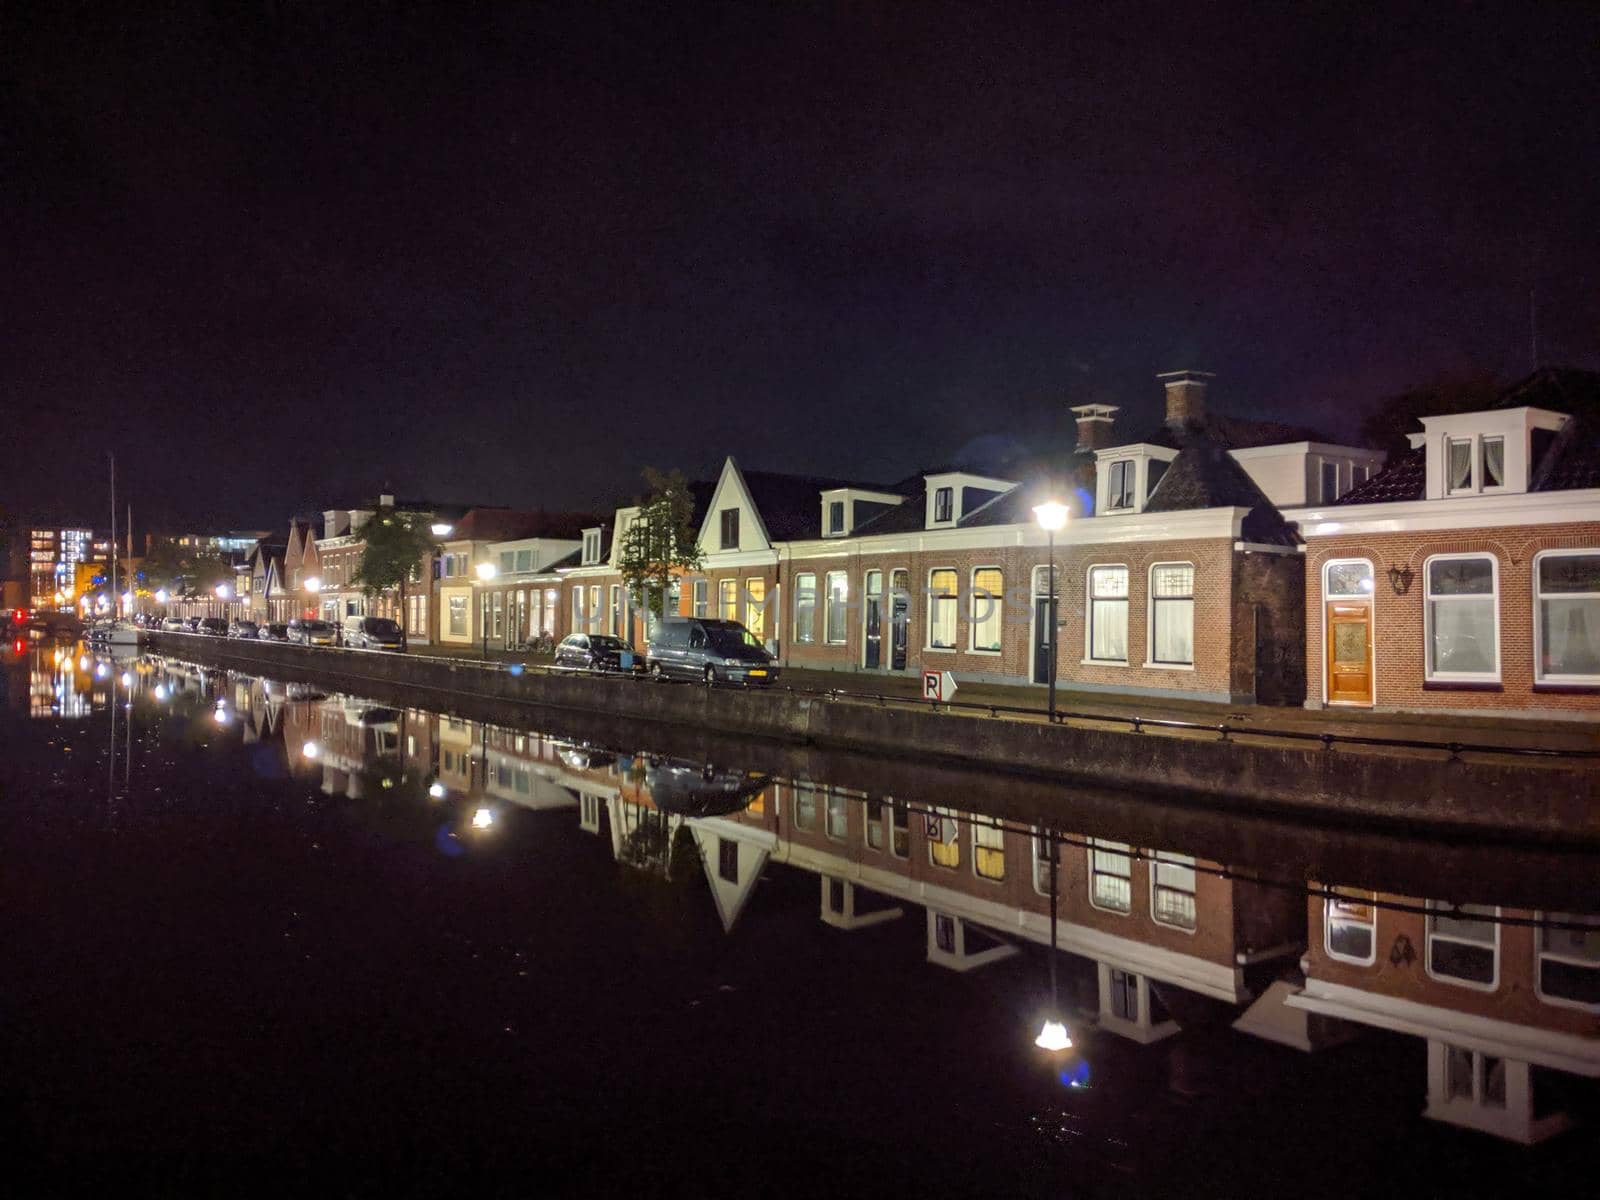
(260, 937)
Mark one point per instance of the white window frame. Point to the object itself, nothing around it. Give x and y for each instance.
(1538, 617)
(996, 602)
(828, 603)
(1540, 954)
(805, 606)
(1428, 939)
(1088, 613)
(701, 601)
(975, 823)
(1352, 894)
(1150, 615)
(1041, 866)
(727, 589)
(1475, 485)
(949, 835)
(834, 801)
(952, 598)
(1126, 850)
(879, 822)
(1172, 858)
(1428, 673)
(946, 496)
(1131, 477)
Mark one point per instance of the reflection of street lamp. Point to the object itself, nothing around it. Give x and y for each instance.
(486, 572)
(1052, 518)
(1053, 1036)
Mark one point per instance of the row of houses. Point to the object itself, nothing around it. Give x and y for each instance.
(1208, 557)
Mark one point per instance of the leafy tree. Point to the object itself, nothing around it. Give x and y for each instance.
(1386, 425)
(393, 544)
(661, 542)
(169, 565)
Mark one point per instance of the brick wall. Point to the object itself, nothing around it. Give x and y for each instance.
(1269, 627)
(1398, 629)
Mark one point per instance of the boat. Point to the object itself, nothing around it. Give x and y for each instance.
(114, 632)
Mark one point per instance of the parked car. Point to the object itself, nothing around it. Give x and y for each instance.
(192, 624)
(273, 633)
(175, 625)
(213, 627)
(710, 651)
(244, 629)
(372, 633)
(597, 652)
(313, 633)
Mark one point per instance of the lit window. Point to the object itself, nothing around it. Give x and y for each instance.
(838, 827)
(1464, 943)
(988, 590)
(943, 504)
(1458, 464)
(1108, 614)
(1350, 925)
(988, 849)
(1120, 484)
(834, 616)
(458, 616)
(1567, 616)
(1569, 960)
(1461, 615)
(899, 829)
(755, 606)
(944, 838)
(1172, 889)
(702, 597)
(805, 609)
(1492, 462)
(1110, 876)
(1172, 614)
(728, 599)
(942, 610)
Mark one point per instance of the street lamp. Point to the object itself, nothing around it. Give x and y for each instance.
(1053, 1036)
(486, 572)
(1052, 518)
(440, 529)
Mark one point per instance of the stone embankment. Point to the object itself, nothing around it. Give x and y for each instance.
(1468, 794)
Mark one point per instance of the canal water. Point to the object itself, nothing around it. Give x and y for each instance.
(261, 935)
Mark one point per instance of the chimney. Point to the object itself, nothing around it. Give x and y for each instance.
(1186, 397)
(386, 500)
(1094, 426)
(330, 523)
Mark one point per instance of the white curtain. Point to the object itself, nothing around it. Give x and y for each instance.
(1109, 622)
(1174, 631)
(1570, 631)
(1463, 635)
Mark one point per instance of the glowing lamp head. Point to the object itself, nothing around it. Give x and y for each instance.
(127, 680)
(1053, 1037)
(220, 716)
(162, 596)
(1051, 515)
(440, 529)
(436, 790)
(223, 591)
(487, 571)
(101, 671)
(313, 585)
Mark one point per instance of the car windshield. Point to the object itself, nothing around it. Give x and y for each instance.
(382, 625)
(277, 629)
(730, 640)
(605, 642)
(315, 626)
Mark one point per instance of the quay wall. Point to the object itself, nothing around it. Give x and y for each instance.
(1549, 801)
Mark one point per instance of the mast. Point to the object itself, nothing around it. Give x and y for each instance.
(116, 598)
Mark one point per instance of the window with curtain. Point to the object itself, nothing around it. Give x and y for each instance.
(838, 826)
(1120, 484)
(944, 838)
(1110, 875)
(942, 609)
(837, 598)
(499, 614)
(1463, 943)
(1172, 889)
(943, 504)
(988, 849)
(755, 606)
(1567, 614)
(1569, 960)
(805, 609)
(872, 823)
(1492, 462)
(458, 616)
(1458, 464)
(1459, 605)
(1042, 843)
(1108, 614)
(988, 592)
(1350, 925)
(702, 602)
(728, 599)
(1172, 614)
(805, 806)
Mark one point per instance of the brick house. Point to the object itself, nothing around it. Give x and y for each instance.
(1466, 576)
(301, 563)
(1506, 999)
(472, 590)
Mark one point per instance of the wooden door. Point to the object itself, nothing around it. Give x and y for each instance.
(1349, 652)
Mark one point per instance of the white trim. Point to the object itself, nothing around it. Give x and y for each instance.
(1152, 863)
(1455, 512)
(954, 597)
(1503, 1039)
(1088, 615)
(1539, 955)
(1538, 620)
(1429, 673)
(1427, 953)
(1150, 659)
(997, 603)
(1127, 853)
(827, 603)
(1372, 628)
(973, 822)
(1327, 944)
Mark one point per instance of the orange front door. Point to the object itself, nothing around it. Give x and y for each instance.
(1349, 652)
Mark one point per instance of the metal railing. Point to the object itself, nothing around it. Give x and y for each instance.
(1138, 724)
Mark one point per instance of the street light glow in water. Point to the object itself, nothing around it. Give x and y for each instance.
(483, 818)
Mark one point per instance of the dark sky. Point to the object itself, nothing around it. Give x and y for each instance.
(279, 254)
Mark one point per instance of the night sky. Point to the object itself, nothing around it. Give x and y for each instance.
(276, 255)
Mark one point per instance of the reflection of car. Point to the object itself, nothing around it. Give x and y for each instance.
(244, 629)
(694, 790)
(597, 652)
(372, 633)
(312, 633)
(192, 624)
(273, 633)
(711, 651)
(213, 627)
(582, 756)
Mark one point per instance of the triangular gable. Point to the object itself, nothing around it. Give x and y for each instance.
(754, 846)
(731, 492)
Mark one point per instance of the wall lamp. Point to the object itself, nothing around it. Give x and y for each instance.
(1400, 579)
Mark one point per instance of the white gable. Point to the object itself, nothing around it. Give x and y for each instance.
(731, 495)
(753, 847)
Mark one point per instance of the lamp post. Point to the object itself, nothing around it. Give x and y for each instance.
(1052, 517)
(486, 572)
(313, 587)
(223, 591)
(1053, 1036)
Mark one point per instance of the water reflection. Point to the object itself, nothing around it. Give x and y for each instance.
(1157, 936)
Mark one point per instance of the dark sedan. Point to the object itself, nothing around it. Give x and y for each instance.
(597, 652)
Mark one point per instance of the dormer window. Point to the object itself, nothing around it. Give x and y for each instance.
(1475, 464)
(1121, 487)
(943, 505)
(591, 546)
(836, 516)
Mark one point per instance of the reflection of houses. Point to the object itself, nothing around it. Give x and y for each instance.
(1507, 1009)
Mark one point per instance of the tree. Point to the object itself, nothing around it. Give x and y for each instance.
(169, 565)
(660, 543)
(393, 544)
(1386, 425)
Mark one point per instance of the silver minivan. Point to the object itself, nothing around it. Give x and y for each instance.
(372, 633)
(710, 651)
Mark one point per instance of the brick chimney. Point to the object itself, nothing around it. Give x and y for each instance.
(1186, 396)
(1094, 426)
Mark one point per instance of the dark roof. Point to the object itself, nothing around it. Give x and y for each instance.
(791, 505)
(1233, 433)
(1067, 477)
(1205, 475)
(1571, 460)
(506, 524)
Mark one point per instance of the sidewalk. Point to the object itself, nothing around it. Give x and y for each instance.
(1241, 719)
